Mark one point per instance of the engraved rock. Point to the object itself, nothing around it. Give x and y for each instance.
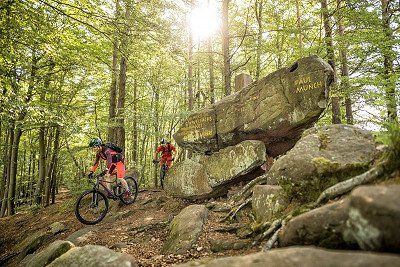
(275, 110)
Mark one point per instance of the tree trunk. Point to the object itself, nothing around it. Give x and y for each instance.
(345, 85)
(113, 86)
(156, 129)
(258, 12)
(336, 117)
(225, 47)
(5, 161)
(7, 177)
(388, 58)
(50, 177)
(298, 22)
(190, 72)
(122, 80)
(13, 171)
(42, 166)
(211, 70)
(135, 124)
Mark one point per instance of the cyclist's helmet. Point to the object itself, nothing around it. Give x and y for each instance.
(95, 142)
(163, 141)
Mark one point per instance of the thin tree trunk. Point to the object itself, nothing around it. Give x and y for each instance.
(122, 80)
(156, 129)
(135, 124)
(7, 178)
(211, 70)
(298, 22)
(13, 172)
(3, 180)
(388, 58)
(336, 117)
(113, 86)
(258, 12)
(345, 85)
(225, 47)
(42, 166)
(190, 72)
(47, 187)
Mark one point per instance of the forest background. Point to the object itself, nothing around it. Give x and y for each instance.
(131, 71)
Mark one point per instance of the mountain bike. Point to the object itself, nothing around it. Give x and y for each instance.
(163, 171)
(92, 205)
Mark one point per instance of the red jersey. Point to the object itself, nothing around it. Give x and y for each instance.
(166, 150)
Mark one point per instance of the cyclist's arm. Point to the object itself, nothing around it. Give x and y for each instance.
(96, 163)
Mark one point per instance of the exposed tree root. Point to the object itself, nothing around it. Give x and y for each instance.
(232, 214)
(345, 186)
(247, 189)
(273, 239)
(276, 224)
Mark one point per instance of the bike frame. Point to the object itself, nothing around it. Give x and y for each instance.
(99, 181)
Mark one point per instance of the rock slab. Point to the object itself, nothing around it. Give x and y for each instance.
(49, 254)
(323, 157)
(322, 227)
(185, 229)
(374, 218)
(92, 256)
(275, 110)
(267, 202)
(303, 256)
(207, 176)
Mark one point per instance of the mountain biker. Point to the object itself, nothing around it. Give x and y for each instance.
(115, 164)
(167, 150)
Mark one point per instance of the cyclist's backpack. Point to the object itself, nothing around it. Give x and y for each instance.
(113, 147)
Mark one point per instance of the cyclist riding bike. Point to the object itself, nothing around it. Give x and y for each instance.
(167, 151)
(115, 164)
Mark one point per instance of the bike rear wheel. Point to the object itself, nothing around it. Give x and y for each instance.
(133, 188)
(91, 207)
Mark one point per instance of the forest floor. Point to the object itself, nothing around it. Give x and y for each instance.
(139, 229)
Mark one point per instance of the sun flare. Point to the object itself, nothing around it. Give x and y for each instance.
(204, 20)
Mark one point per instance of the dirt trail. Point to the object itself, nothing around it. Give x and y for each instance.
(139, 229)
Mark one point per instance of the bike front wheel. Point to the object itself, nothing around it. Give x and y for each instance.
(91, 207)
(133, 188)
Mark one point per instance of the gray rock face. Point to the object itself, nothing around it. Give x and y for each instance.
(49, 254)
(374, 218)
(267, 202)
(91, 255)
(303, 256)
(57, 227)
(32, 243)
(322, 227)
(206, 176)
(81, 235)
(275, 110)
(185, 229)
(323, 157)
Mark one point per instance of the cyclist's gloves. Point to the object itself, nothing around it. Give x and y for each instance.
(155, 161)
(90, 175)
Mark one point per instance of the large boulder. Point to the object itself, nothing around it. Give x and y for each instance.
(93, 256)
(268, 201)
(185, 229)
(323, 156)
(322, 227)
(207, 176)
(302, 256)
(275, 110)
(374, 218)
(49, 254)
(31, 243)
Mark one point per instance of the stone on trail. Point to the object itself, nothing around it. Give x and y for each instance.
(57, 227)
(49, 254)
(93, 256)
(374, 218)
(185, 229)
(323, 157)
(302, 256)
(207, 176)
(275, 110)
(81, 235)
(322, 227)
(267, 202)
(30, 244)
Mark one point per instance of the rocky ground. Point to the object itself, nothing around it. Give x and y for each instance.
(139, 230)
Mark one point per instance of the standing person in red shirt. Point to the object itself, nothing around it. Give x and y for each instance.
(167, 150)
